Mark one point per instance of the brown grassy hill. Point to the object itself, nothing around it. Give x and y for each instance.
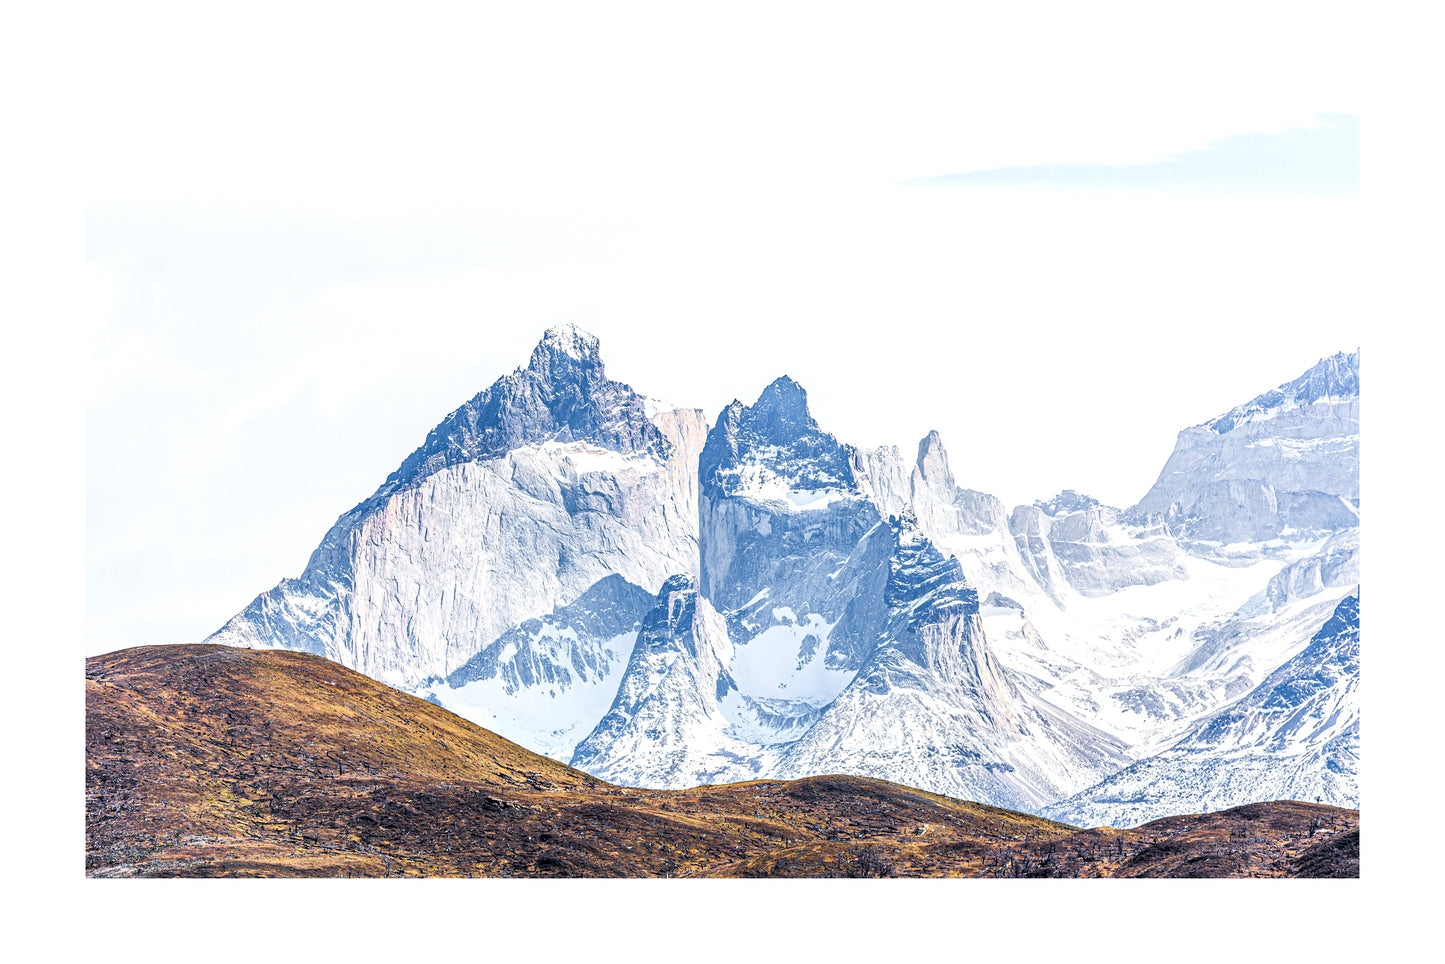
(207, 761)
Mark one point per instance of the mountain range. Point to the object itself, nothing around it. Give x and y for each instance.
(662, 602)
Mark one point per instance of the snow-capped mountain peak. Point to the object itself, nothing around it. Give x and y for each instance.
(1330, 379)
(567, 340)
(782, 507)
(665, 726)
(776, 438)
(547, 481)
(1284, 465)
(563, 394)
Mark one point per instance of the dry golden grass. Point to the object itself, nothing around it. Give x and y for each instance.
(209, 761)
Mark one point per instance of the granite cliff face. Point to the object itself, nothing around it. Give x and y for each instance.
(1282, 465)
(1336, 565)
(969, 525)
(518, 502)
(1075, 540)
(783, 506)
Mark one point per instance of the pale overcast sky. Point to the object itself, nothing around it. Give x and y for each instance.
(296, 267)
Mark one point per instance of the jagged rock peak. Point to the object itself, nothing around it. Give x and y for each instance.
(781, 411)
(1067, 501)
(933, 463)
(562, 395)
(1335, 377)
(564, 351)
(779, 437)
(568, 339)
(671, 619)
(918, 572)
(678, 582)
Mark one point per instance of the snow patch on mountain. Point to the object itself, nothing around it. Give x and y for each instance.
(933, 708)
(583, 458)
(758, 483)
(549, 717)
(545, 683)
(1294, 736)
(786, 661)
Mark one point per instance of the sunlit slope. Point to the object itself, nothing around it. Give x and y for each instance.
(217, 761)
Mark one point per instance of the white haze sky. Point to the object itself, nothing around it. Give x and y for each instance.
(312, 230)
(268, 349)
(296, 268)
(257, 374)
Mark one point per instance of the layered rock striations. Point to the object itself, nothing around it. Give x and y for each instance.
(1285, 464)
(1075, 540)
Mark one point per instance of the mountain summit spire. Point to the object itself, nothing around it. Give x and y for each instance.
(781, 411)
(564, 348)
(563, 394)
